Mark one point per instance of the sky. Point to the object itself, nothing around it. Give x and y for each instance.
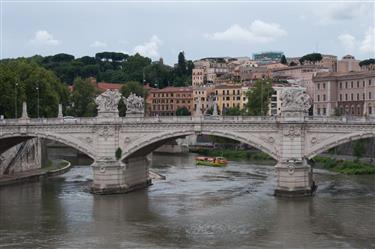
(200, 29)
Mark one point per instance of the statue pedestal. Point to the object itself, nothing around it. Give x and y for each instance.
(135, 115)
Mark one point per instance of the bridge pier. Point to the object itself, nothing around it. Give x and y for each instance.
(294, 179)
(115, 177)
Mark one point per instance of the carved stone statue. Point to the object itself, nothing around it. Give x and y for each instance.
(108, 101)
(134, 104)
(214, 112)
(295, 100)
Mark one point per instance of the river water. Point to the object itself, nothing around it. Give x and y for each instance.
(195, 207)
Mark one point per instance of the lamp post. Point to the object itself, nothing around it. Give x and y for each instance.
(15, 99)
(37, 89)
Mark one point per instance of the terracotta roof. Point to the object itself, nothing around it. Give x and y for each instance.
(171, 89)
(105, 86)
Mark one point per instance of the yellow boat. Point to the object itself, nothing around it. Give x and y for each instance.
(211, 161)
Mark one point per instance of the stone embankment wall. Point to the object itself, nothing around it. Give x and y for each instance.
(22, 157)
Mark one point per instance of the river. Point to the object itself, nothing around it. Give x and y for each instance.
(195, 207)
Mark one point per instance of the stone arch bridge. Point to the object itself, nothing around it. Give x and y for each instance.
(291, 139)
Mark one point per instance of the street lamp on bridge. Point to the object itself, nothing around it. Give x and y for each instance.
(15, 99)
(37, 89)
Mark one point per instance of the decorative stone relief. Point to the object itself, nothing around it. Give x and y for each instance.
(134, 104)
(105, 132)
(292, 132)
(88, 140)
(108, 101)
(295, 100)
(314, 140)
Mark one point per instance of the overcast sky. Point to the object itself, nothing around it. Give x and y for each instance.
(206, 29)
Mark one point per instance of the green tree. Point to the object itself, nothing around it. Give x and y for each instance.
(259, 97)
(283, 60)
(159, 75)
(358, 148)
(314, 57)
(182, 111)
(134, 66)
(83, 98)
(181, 69)
(118, 153)
(22, 80)
(232, 111)
(367, 62)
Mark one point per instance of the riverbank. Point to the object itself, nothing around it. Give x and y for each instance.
(240, 154)
(50, 170)
(348, 167)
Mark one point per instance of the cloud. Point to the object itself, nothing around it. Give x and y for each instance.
(258, 32)
(44, 38)
(347, 41)
(98, 44)
(341, 11)
(150, 48)
(368, 43)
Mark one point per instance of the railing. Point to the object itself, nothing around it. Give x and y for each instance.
(182, 119)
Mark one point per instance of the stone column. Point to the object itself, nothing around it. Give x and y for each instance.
(111, 177)
(294, 175)
(60, 113)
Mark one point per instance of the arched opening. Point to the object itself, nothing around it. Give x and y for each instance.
(143, 148)
(351, 154)
(21, 153)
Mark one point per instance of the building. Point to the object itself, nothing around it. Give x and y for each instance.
(350, 93)
(166, 101)
(229, 96)
(301, 75)
(198, 77)
(327, 61)
(268, 57)
(348, 64)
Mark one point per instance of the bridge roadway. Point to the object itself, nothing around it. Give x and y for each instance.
(291, 141)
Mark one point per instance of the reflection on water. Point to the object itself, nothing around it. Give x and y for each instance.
(203, 207)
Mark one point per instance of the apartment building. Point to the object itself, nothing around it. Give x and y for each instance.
(351, 93)
(166, 101)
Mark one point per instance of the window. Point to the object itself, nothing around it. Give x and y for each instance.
(340, 97)
(340, 85)
(324, 97)
(359, 110)
(351, 97)
(346, 96)
(318, 111)
(318, 86)
(369, 110)
(324, 85)
(369, 82)
(357, 96)
(357, 84)
(369, 95)
(346, 85)
(318, 98)
(363, 83)
(324, 111)
(351, 84)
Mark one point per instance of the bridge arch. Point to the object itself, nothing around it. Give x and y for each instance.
(67, 140)
(148, 144)
(336, 141)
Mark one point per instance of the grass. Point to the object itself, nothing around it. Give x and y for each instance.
(348, 167)
(50, 166)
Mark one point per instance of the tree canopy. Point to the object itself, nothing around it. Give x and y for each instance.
(283, 60)
(313, 57)
(21, 80)
(259, 97)
(367, 62)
